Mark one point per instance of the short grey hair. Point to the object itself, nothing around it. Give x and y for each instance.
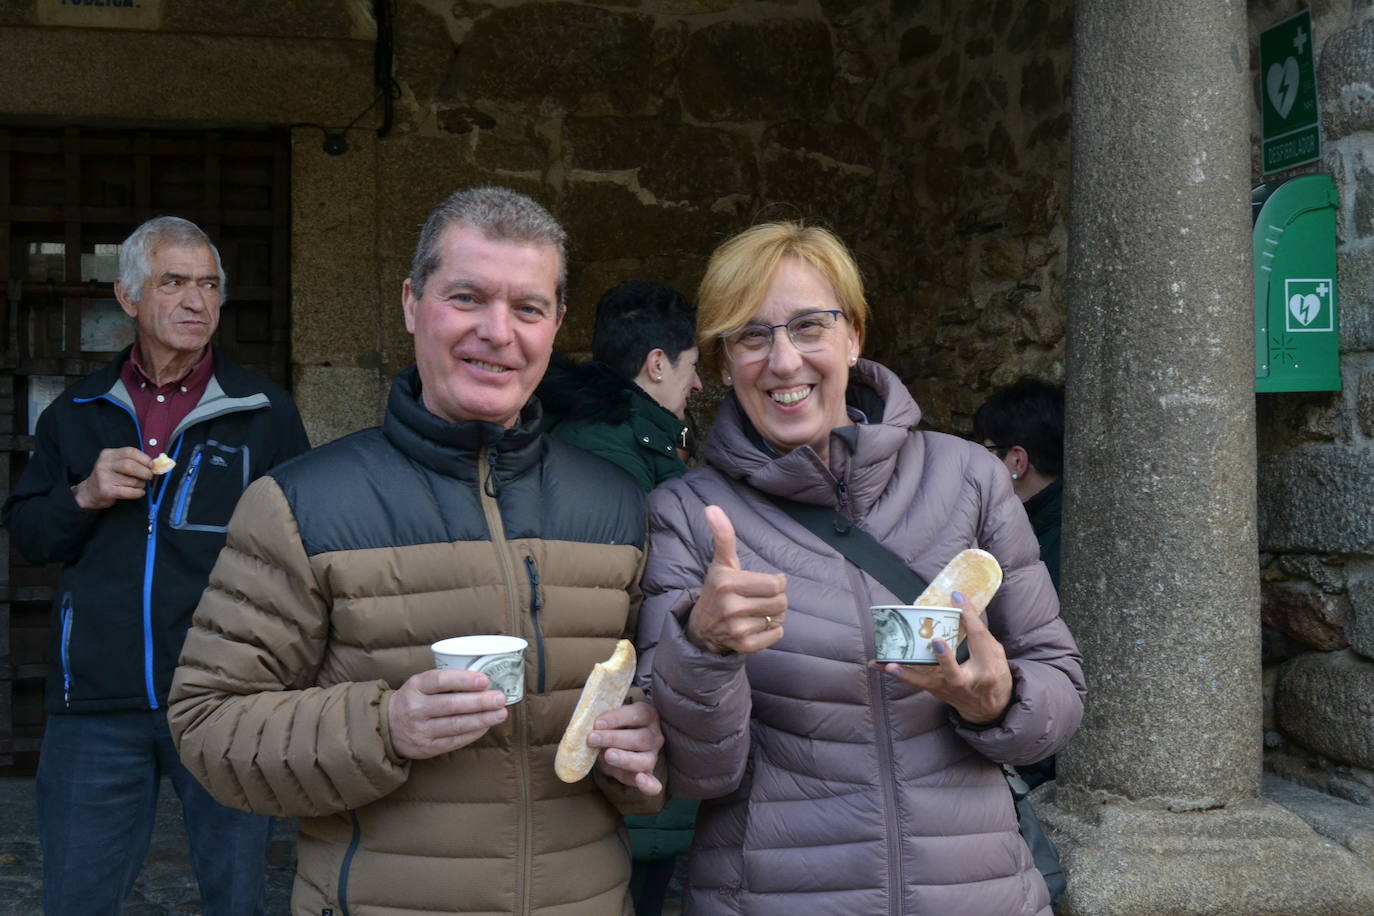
(500, 214)
(136, 254)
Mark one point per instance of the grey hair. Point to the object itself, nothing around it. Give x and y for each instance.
(500, 214)
(136, 254)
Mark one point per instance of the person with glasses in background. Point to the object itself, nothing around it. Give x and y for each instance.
(830, 783)
(1023, 425)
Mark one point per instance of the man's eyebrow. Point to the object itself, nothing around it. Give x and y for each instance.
(465, 285)
(462, 285)
(173, 275)
(533, 299)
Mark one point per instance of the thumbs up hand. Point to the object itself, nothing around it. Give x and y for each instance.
(739, 610)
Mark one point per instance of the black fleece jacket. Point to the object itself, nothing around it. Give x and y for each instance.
(133, 573)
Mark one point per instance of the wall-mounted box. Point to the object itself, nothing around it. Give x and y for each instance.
(1297, 330)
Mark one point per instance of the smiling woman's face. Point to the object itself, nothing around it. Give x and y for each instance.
(795, 398)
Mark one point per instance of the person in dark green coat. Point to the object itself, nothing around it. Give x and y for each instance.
(628, 405)
(1023, 425)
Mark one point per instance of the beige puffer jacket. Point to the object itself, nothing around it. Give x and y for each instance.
(341, 568)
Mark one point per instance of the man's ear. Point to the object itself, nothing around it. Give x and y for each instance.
(408, 303)
(128, 305)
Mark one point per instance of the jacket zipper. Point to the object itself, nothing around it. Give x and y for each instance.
(66, 643)
(520, 725)
(188, 480)
(149, 567)
(536, 606)
(348, 861)
(883, 727)
(149, 554)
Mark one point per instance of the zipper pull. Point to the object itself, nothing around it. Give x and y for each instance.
(533, 572)
(842, 520)
(490, 485)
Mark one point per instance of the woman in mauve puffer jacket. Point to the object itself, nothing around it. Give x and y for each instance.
(831, 785)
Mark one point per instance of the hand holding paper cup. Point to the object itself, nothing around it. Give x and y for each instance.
(500, 658)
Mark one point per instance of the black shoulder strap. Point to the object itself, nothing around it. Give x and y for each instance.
(858, 547)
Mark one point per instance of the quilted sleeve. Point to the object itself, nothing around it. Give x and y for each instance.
(1048, 689)
(243, 708)
(702, 697)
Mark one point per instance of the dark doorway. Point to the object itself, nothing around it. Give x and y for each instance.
(68, 197)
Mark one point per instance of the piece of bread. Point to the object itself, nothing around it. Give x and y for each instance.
(973, 573)
(162, 464)
(605, 689)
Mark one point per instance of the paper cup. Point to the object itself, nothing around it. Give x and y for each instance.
(903, 632)
(500, 658)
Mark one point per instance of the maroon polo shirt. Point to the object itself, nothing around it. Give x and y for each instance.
(160, 408)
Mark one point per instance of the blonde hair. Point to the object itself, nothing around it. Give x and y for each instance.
(739, 272)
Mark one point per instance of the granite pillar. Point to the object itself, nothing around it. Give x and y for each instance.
(1157, 806)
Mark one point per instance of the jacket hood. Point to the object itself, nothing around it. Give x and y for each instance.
(588, 391)
(450, 448)
(863, 455)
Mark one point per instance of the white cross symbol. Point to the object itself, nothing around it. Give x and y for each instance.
(1322, 290)
(1299, 40)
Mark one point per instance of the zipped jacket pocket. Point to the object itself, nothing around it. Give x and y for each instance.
(347, 863)
(216, 476)
(67, 613)
(536, 605)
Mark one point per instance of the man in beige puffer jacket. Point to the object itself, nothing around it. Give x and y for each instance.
(306, 686)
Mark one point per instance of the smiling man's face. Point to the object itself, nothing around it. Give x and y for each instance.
(484, 326)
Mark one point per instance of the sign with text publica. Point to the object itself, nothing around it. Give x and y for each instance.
(1288, 91)
(100, 14)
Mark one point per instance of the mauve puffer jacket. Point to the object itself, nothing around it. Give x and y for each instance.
(831, 787)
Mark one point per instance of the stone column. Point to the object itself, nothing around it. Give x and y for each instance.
(1157, 806)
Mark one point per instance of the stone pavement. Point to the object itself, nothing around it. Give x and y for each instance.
(165, 886)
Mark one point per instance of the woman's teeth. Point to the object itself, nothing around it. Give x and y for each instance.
(790, 397)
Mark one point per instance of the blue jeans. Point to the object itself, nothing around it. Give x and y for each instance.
(98, 778)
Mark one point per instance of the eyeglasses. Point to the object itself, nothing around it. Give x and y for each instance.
(809, 332)
(999, 450)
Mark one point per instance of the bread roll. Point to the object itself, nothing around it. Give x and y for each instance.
(162, 464)
(605, 689)
(973, 573)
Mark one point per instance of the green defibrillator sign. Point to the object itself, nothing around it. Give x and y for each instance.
(1297, 330)
(1288, 87)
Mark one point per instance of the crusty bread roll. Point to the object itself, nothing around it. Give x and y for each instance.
(605, 690)
(973, 573)
(162, 464)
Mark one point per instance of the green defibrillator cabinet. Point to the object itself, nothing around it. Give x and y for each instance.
(1297, 332)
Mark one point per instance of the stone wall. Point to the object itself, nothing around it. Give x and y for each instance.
(1316, 492)
(931, 136)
